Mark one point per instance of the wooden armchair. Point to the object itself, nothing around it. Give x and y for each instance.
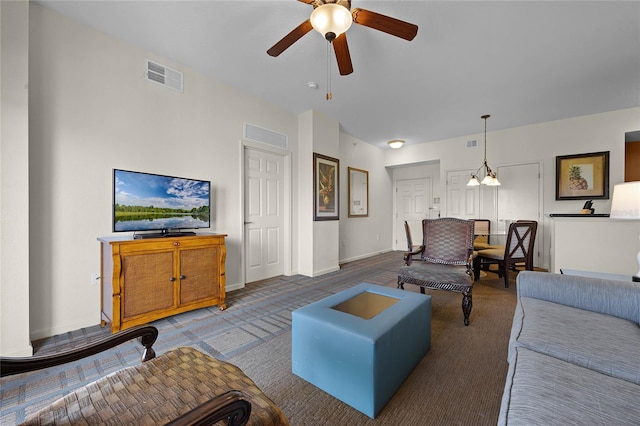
(518, 250)
(181, 387)
(445, 260)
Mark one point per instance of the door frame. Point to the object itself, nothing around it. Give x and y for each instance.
(541, 240)
(395, 245)
(286, 211)
(446, 206)
(541, 259)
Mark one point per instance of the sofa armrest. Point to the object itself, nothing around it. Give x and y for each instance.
(617, 298)
(16, 365)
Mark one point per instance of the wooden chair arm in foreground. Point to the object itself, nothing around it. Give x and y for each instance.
(180, 387)
(147, 334)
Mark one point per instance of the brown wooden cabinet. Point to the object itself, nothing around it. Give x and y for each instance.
(145, 280)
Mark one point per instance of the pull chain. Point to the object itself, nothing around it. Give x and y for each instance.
(329, 94)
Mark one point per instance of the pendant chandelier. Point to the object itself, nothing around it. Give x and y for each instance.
(490, 178)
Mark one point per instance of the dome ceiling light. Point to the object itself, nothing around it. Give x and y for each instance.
(396, 143)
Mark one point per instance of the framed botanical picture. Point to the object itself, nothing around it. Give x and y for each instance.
(326, 183)
(582, 176)
(358, 192)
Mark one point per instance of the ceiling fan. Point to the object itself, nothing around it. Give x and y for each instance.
(332, 18)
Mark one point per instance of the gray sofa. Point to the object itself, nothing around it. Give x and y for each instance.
(574, 352)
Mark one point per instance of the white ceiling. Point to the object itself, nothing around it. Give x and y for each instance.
(523, 62)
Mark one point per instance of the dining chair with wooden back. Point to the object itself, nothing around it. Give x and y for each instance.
(482, 230)
(518, 250)
(413, 251)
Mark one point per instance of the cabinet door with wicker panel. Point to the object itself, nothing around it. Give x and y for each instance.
(155, 278)
(197, 272)
(147, 285)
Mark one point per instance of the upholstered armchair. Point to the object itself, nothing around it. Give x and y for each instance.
(445, 260)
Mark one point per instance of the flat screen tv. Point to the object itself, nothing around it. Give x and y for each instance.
(152, 202)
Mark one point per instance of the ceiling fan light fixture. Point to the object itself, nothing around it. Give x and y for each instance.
(396, 143)
(331, 20)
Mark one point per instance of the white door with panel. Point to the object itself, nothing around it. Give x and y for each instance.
(463, 201)
(412, 204)
(519, 198)
(264, 219)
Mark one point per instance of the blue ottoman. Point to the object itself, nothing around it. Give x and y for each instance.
(360, 344)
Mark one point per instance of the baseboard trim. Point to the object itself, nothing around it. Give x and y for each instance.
(364, 256)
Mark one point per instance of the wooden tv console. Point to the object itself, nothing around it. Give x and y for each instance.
(148, 279)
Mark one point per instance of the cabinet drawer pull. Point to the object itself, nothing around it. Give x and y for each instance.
(182, 277)
(176, 243)
(172, 279)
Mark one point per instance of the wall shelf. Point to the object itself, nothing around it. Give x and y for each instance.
(578, 215)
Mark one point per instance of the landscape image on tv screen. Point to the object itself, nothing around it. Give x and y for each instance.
(145, 202)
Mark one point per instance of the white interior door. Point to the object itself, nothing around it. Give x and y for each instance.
(519, 199)
(412, 204)
(462, 201)
(264, 218)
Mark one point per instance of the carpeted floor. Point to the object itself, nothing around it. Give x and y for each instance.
(459, 381)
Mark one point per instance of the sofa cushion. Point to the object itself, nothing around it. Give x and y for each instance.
(604, 343)
(617, 298)
(542, 390)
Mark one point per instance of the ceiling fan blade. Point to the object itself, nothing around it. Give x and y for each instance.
(385, 23)
(343, 57)
(290, 38)
(306, 1)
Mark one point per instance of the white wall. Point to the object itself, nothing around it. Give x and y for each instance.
(540, 142)
(14, 180)
(325, 134)
(91, 110)
(305, 194)
(365, 236)
(595, 244)
(317, 240)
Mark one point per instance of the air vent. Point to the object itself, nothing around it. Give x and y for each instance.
(164, 75)
(471, 144)
(265, 136)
